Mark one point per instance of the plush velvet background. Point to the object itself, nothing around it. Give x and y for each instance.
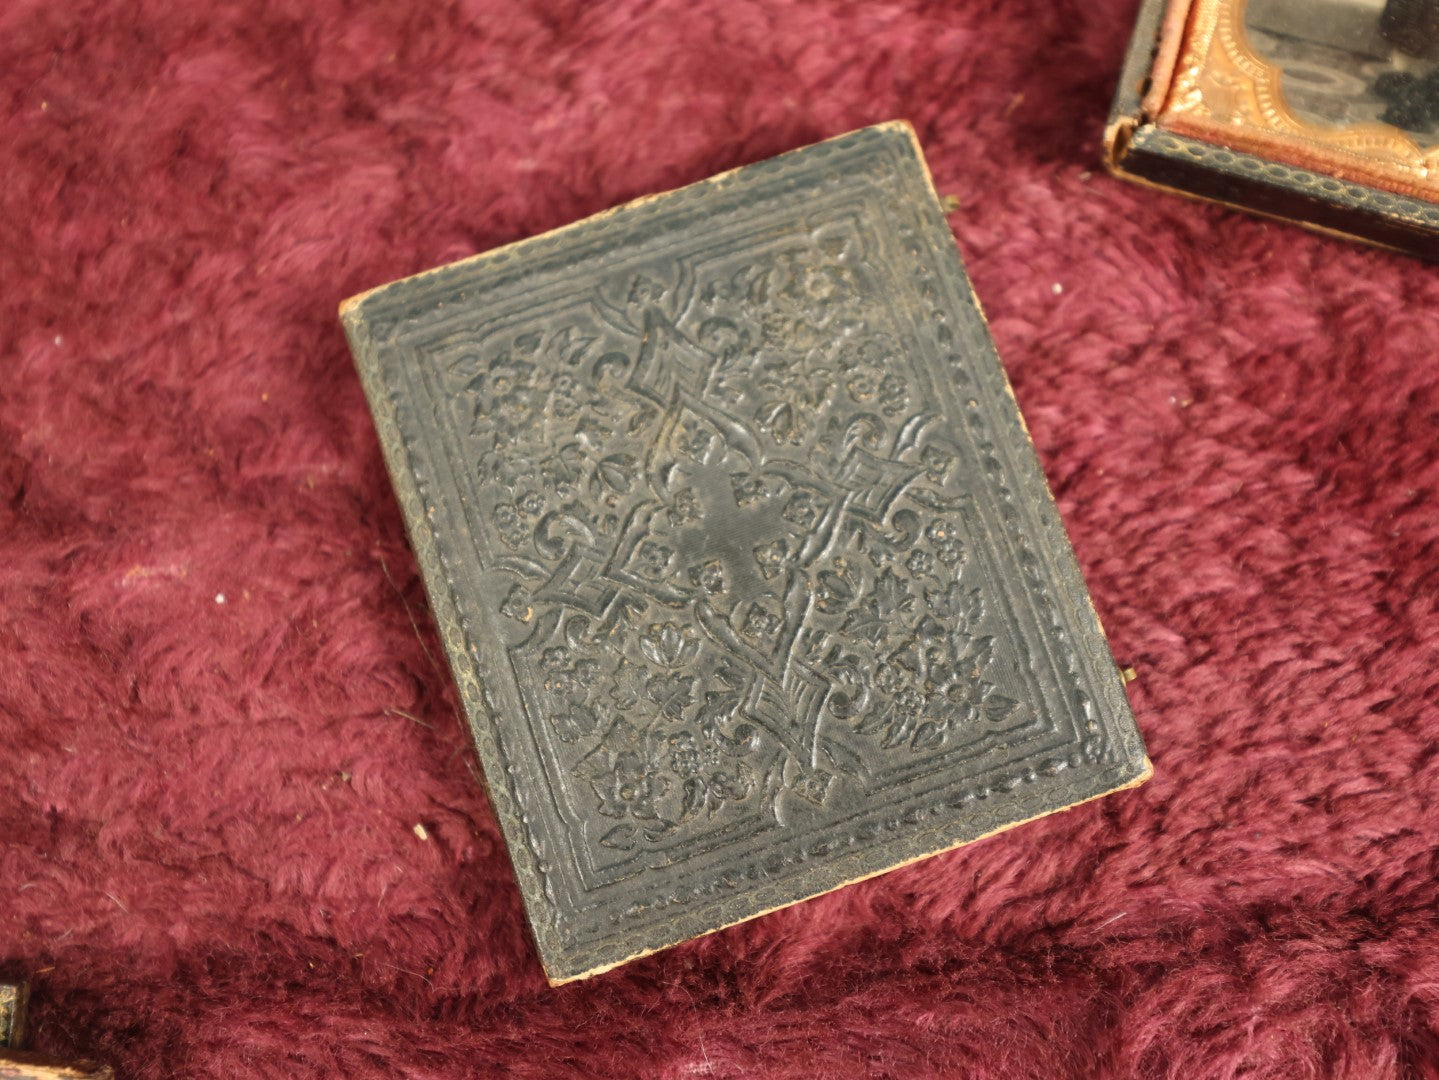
(222, 705)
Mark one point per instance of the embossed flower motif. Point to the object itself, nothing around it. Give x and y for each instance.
(790, 395)
(910, 703)
(684, 756)
(938, 532)
(948, 548)
(937, 463)
(867, 350)
(961, 696)
(893, 394)
(771, 557)
(871, 380)
(778, 327)
(566, 674)
(919, 563)
(890, 678)
(870, 386)
(813, 278)
(689, 756)
(506, 402)
(935, 687)
(632, 787)
(760, 623)
(694, 439)
(669, 645)
(512, 528)
(653, 558)
(733, 782)
(748, 489)
(960, 701)
(803, 509)
(709, 577)
(863, 385)
(685, 508)
(515, 392)
(517, 409)
(960, 607)
(587, 673)
(819, 283)
(565, 396)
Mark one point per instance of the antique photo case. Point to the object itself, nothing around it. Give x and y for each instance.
(1325, 112)
(743, 561)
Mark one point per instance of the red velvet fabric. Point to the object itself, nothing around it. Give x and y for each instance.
(223, 709)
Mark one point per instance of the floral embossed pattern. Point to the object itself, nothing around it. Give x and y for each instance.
(747, 572)
(738, 572)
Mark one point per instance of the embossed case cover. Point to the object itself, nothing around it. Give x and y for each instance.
(743, 560)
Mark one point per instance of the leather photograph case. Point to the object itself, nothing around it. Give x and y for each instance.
(740, 550)
(1322, 112)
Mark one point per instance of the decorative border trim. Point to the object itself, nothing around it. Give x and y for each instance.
(1290, 180)
(1224, 92)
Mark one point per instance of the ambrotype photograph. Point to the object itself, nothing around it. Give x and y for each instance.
(1348, 62)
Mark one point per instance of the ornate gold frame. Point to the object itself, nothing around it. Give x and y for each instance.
(1224, 92)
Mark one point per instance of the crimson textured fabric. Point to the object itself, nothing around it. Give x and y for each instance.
(242, 831)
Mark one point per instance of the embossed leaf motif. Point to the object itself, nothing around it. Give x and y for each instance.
(835, 591)
(928, 735)
(779, 418)
(671, 692)
(962, 607)
(623, 837)
(888, 598)
(891, 594)
(617, 472)
(628, 684)
(575, 721)
(568, 347)
(668, 646)
(997, 707)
